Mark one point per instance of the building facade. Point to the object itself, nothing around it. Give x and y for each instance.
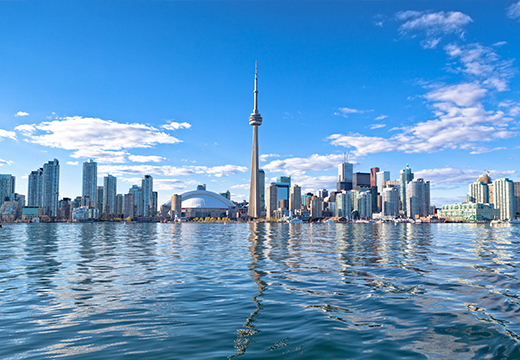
(417, 198)
(295, 198)
(504, 198)
(51, 188)
(7, 188)
(271, 197)
(34, 188)
(406, 175)
(90, 181)
(147, 189)
(109, 194)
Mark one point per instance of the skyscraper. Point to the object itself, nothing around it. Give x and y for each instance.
(504, 198)
(7, 184)
(51, 188)
(478, 193)
(271, 203)
(295, 201)
(373, 172)
(406, 177)
(109, 194)
(344, 204)
(90, 181)
(261, 180)
(147, 188)
(381, 178)
(99, 197)
(417, 198)
(390, 202)
(345, 176)
(255, 119)
(34, 191)
(137, 199)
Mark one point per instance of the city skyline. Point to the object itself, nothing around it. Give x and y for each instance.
(430, 84)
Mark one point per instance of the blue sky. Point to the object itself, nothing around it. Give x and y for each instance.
(166, 88)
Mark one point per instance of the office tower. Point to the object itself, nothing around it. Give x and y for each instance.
(34, 191)
(504, 197)
(90, 181)
(99, 197)
(261, 181)
(323, 193)
(345, 176)
(255, 119)
(381, 178)
(271, 197)
(361, 181)
(283, 184)
(362, 203)
(51, 188)
(120, 200)
(417, 198)
(406, 176)
(517, 199)
(137, 193)
(316, 207)
(283, 204)
(373, 176)
(109, 194)
(390, 202)
(176, 206)
(7, 188)
(478, 193)
(128, 206)
(147, 188)
(155, 199)
(344, 204)
(295, 198)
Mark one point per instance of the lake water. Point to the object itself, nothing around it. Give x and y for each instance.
(259, 291)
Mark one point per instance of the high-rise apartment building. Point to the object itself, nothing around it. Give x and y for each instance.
(51, 188)
(147, 188)
(344, 204)
(295, 200)
(120, 201)
(504, 197)
(323, 193)
(517, 199)
(109, 194)
(316, 207)
(417, 198)
(362, 203)
(7, 188)
(155, 199)
(90, 181)
(271, 197)
(34, 191)
(261, 181)
(478, 193)
(406, 176)
(390, 202)
(99, 196)
(361, 181)
(137, 193)
(128, 206)
(381, 178)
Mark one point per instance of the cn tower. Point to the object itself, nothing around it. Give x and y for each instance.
(254, 188)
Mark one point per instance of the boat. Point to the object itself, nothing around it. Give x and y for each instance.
(513, 221)
(295, 221)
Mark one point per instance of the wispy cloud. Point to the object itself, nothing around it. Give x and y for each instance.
(6, 162)
(7, 134)
(347, 111)
(240, 186)
(264, 157)
(173, 125)
(21, 113)
(300, 166)
(104, 140)
(313, 183)
(513, 11)
(377, 126)
(167, 170)
(72, 163)
(433, 25)
(143, 159)
(163, 184)
(381, 117)
(452, 175)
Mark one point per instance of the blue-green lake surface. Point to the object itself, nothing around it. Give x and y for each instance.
(259, 291)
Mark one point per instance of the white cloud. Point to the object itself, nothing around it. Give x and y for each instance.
(21, 113)
(142, 158)
(103, 140)
(6, 162)
(314, 183)
(377, 126)
(346, 111)
(72, 163)
(264, 157)
(433, 25)
(452, 175)
(483, 63)
(513, 11)
(163, 184)
(300, 166)
(26, 129)
(381, 117)
(172, 125)
(167, 170)
(241, 186)
(7, 134)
